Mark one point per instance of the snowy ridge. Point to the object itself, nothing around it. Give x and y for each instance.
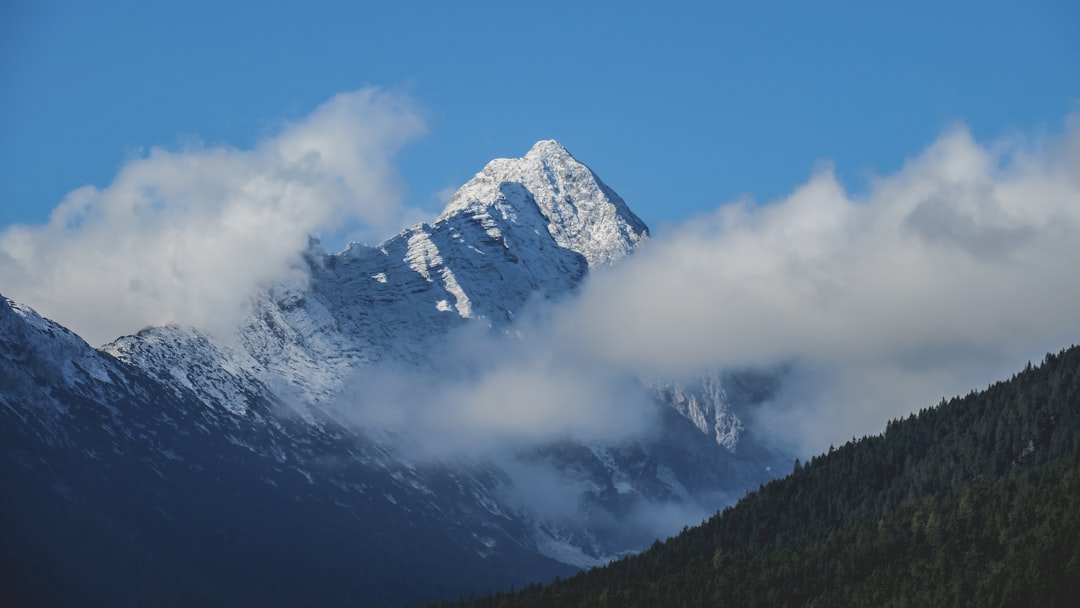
(222, 378)
(62, 358)
(521, 228)
(79, 363)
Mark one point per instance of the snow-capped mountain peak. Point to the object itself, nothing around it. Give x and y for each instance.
(582, 213)
(168, 438)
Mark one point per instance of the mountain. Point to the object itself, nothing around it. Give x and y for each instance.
(124, 490)
(970, 503)
(173, 467)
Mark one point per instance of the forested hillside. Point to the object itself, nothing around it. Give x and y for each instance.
(973, 502)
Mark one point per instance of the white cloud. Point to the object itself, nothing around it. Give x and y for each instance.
(184, 236)
(947, 275)
(942, 277)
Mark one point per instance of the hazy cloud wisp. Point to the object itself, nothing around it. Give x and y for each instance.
(185, 236)
(496, 393)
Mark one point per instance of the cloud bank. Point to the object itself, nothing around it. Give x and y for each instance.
(185, 236)
(947, 275)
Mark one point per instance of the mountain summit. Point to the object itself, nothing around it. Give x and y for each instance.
(582, 213)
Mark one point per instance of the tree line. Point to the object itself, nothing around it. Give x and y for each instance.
(972, 502)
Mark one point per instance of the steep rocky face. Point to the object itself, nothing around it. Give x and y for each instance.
(718, 402)
(258, 410)
(582, 214)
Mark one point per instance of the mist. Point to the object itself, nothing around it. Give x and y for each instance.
(490, 393)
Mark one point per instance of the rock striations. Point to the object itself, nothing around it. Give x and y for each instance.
(581, 213)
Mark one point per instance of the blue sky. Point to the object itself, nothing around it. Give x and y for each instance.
(679, 107)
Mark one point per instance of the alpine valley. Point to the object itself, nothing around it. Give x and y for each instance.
(170, 467)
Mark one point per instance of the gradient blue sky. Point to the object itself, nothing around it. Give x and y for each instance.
(679, 106)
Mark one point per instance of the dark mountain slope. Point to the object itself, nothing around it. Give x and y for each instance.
(118, 490)
(975, 502)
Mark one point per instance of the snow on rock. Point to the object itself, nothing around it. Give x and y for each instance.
(706, 405)
(221, 377)
(581, 213)
(422, 255)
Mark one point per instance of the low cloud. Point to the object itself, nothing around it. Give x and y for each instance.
(500, 394)
(514, 401)
(945, 276)
(185, 236)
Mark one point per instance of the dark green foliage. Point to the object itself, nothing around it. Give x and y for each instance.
(975, 502)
